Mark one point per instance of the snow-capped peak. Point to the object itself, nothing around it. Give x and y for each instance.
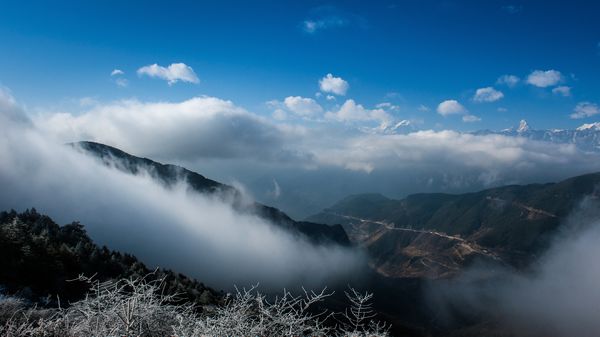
(523, 126)
(590, 126)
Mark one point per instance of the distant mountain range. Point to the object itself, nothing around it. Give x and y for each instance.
(586, 137)
(436, 235)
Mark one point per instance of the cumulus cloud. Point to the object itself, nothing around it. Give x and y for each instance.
(201, 127)
(585, 109)
(172, 74)
(543, 79)
(174, 227)
(508, 80)
(487, 94)
(470, 118)
(351, 111)
(334, 85)
(117, 72)
(305, 107)
(451, 107)
(562, 91)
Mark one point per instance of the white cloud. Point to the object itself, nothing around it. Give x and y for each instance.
(334, 85)
(172, 74)
(470, 118)
(487, 94)
(508, 80)
(305, 107)
(562, 90)
(330, 98)
(454, 154)
(388, 106)
(117, 72)
(543, 79)
(201, 127)
(451, 107)
(585, 109)
(351, 111)
(501, 109)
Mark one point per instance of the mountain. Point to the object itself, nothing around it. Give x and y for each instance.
(586, 137)
(436, 235)
(40, 260)
(169, 175)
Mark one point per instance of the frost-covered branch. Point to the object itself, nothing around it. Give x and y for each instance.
(138, 307)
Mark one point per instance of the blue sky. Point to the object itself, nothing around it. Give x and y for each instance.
(408, 53)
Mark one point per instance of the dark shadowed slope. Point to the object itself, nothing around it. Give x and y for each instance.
(39, 257)
(171, 174)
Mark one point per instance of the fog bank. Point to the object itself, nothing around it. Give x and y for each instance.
(175, 228)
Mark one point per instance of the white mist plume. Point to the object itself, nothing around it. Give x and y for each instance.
(174, 228)
(558, 296)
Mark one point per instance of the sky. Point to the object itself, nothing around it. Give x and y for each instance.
(412, 54)
(303, 103)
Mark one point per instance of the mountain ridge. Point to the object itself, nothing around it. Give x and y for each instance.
(509, 225)
(585, 137)
(169, 174)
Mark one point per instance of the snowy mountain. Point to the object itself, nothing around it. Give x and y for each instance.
(585, 138)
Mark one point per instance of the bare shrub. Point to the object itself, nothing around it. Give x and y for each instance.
(136, 307)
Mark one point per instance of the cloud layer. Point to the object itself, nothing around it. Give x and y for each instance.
(171, 227)
(201, 127)
(308, 158)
